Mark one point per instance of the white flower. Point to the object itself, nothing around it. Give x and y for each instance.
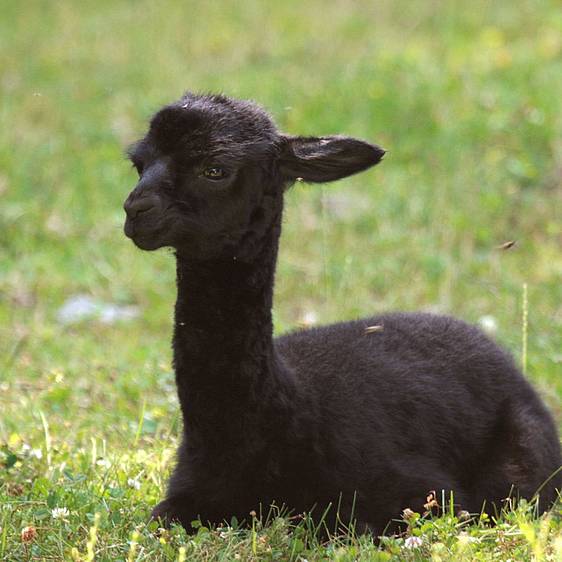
(27, 450)
(310, 317)
(489, 324)
(60, 513)
(133, 483)
(413, 542)
(103, 462)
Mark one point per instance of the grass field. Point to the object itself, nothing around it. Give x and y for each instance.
(467, 99)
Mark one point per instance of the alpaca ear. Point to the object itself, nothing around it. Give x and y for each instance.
(321, 159)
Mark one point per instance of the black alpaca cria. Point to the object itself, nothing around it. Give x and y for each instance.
(367, 422)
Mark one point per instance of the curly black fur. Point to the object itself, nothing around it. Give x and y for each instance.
(370, 421)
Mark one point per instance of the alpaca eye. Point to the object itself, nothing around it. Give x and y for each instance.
(214, 173)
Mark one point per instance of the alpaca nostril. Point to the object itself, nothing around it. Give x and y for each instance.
(137, 206)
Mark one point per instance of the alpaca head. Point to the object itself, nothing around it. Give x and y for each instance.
(212, 171)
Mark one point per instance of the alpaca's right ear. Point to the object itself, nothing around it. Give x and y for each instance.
(322, 159)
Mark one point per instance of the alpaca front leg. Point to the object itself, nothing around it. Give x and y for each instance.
(180, 505)
(175, 509)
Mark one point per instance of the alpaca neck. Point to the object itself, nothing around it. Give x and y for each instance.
(223, 347)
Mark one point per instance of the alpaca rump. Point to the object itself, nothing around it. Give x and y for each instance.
(343, 415)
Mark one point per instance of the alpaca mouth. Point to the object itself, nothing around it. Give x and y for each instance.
(129, 229)
(134, 228)
(144, 238)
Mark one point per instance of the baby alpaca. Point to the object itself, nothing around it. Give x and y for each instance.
(333, 416)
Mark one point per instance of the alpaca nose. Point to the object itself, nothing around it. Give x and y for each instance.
(133, 207)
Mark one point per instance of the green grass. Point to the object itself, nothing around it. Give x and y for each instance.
(465, 96)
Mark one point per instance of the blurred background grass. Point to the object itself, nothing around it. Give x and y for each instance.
(465, 96)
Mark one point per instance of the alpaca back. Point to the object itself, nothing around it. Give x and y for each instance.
(422, 394)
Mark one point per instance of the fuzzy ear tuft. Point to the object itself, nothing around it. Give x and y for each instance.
(323, 159)
(173, 121)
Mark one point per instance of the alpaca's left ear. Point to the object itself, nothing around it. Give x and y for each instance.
(321, 159)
